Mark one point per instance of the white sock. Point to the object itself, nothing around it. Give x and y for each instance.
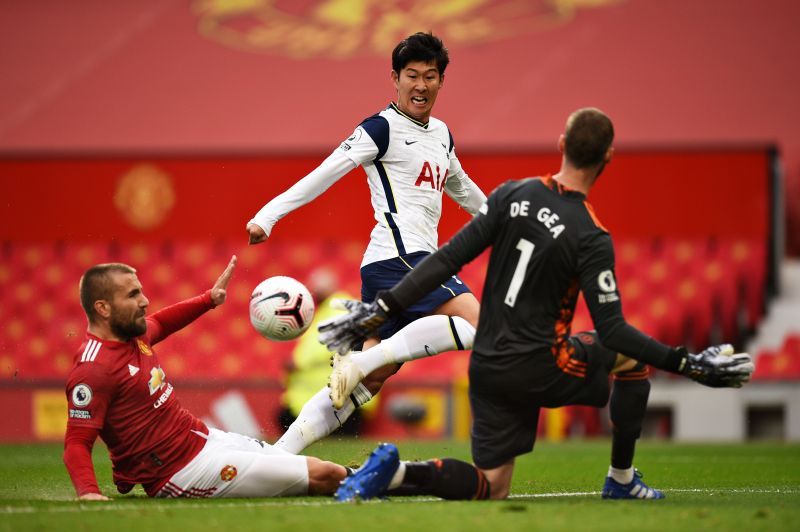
(424, 337)
(398, 477)
(317, 419)
(623, 476)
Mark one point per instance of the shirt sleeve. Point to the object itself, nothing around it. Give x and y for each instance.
(90, 391)
(461, 188)
(368, 142)
(304, 191)
(599, 286)
(175, 317)
(78, 443)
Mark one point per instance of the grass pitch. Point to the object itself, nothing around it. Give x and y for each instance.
(708, 487)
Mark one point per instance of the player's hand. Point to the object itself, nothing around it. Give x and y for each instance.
(93, 497)
(719, 367)
(220, 289)
(343, 332)
(257, 235)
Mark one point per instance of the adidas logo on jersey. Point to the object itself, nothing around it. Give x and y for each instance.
(133, 370)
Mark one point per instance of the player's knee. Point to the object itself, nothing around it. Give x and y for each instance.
(465, 306)
(624, 364)
(464, 332)
(499, 480)
(499, 492)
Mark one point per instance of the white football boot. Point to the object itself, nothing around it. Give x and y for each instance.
(344, 379)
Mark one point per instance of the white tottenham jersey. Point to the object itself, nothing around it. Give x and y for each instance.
(408, 164)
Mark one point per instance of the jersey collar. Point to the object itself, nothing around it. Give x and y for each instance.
(560, 189)
(397, 110)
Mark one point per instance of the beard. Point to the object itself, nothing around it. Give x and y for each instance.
(127, 328)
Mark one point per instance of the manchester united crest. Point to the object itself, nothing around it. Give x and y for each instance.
(341, 29)
(144, 348)
(145, 195)
(228, 473)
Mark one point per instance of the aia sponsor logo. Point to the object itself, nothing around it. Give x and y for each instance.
(427, 176)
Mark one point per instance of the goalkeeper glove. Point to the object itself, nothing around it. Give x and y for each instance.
(717, 366)
(342, 333)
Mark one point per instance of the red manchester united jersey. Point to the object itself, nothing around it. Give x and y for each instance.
(121, 389)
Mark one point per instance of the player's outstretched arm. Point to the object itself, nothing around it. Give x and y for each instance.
(304, 191)
(219, 292)
(719, 366)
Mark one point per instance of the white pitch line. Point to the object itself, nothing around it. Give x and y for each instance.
(149, 503)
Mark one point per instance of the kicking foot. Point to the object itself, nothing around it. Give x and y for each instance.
(344, 379)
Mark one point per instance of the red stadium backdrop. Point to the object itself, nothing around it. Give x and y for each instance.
(705, 215)
(643, 194)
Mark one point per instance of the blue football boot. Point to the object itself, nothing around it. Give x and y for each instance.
(636, 489)
(372, 479)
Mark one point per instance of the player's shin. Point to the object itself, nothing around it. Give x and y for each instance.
(422, 338)
(317, 419)
(627, 409)
(447, 478)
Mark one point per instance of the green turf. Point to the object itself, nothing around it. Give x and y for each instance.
(719, 487)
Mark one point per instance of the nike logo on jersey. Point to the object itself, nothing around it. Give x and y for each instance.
(427, 350)
(133, 370)
(410, 142)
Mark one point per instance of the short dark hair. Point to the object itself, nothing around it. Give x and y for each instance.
(421, 46)
(95, 284)
(588, 136)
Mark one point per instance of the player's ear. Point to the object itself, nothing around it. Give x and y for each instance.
(561, 143)
(395, 78)
(609, 155)
(102, 308)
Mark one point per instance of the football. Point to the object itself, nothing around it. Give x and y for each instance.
(281, 308)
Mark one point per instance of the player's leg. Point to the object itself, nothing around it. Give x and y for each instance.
(444, 320)
(233, 465)
(627, 407)
(424, 337)
(447, 478)
(318, 418)
(504, 426)
(465, 306)
(383, 473)
(499, 478)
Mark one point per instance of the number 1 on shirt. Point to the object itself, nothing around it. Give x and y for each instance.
(526, 250)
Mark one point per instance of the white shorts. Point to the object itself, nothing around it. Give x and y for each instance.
(233, 465)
